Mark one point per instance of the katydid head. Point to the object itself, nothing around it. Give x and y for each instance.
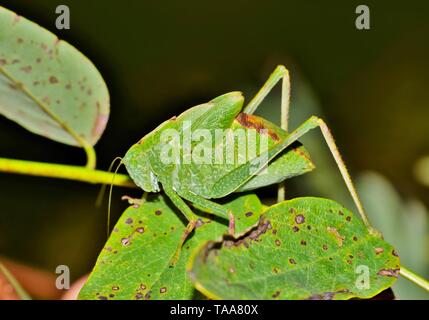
(137, 162)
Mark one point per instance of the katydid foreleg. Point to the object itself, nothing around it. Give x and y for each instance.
(187, 212)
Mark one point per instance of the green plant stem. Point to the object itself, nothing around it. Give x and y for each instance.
(408, 274)
(61, 171)
(14, 283)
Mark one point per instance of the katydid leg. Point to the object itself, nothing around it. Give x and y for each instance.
(189, 215)
(279, 73)
(211, 206)
(314, 122)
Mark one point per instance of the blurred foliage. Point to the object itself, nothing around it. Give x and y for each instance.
(160, 58)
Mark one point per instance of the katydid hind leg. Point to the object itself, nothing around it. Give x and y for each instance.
(280, 73)
(314, 122)
(212, 206)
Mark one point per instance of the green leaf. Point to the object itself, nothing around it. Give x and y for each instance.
(134, 263)
(47, 86)
(305, 248)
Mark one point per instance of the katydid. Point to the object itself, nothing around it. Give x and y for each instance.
(199, 183)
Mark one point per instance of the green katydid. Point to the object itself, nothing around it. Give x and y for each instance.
(198, 183)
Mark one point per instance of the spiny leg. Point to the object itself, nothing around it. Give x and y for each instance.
(211, 206)
(189, 215)
(312, 123)
(279, 73)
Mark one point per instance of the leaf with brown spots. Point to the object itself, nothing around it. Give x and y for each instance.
(40, 84)
(320, 259)
(135, 263)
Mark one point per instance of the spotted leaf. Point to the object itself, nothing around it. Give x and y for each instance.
(305, 248)
(135, 262)
(48, 86)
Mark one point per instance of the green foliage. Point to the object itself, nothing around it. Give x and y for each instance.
(135, 262)
(47, 86)
(305, 248)
(403, 222)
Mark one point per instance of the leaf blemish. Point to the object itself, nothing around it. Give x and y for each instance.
(389, 272)
(299, 219)
(125, 241)
(53, 79)
(379, 250)
(335, 232)
(140, 230)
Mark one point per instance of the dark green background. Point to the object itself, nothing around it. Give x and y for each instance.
(160, 57)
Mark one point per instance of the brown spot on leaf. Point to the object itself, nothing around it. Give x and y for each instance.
(26, 69)
(325, 247)
(102, 298)
(277, 242)
(395, 253)
(115, 288)
(326, 295)
(19, 40)
(337, 235)
(140, 230)
(295, 229)
(138, 296)
(249, 214)
(53, 79)
(292, 261)
(148, 295)
(349, 218)
(379, 250)
(276, 294)
(129, 221)
(158, 212)
(389, 272)
(163, 290)
(125, 241)
(300, 219)
(303, 242)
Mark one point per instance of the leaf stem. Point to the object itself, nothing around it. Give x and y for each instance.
(61, 171)
(411, 276)
(21, 293)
